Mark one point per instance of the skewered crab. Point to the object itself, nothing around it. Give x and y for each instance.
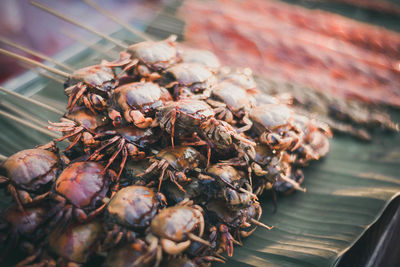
(70, 246)
(276, 126)
(127, 255)
(91, 86)
(189, 80)
(30, 173)
(24, 228)
(137, 102)
(239, 222)
(176, 163)
(232, 103)
(188, 116)
(225, 182)
(153, 57)
(79, 125)
(126, 141)
(200, 56)
(129, 211)
(173, 229)
(80, 189)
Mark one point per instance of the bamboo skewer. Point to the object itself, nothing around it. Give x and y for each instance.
(33, 62)
(96, 47)
(21, 113)
(70, 20)
(124, 24)
(29, 124)
(2, 157)
(36, 53)
(32, 101)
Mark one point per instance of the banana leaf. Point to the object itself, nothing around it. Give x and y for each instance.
(347, 191)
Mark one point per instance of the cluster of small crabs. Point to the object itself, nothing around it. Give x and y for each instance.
(168, 153)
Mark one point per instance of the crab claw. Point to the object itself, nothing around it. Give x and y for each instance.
(227, 239)
(115, 117)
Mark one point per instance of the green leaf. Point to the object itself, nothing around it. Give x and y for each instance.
(346, 192)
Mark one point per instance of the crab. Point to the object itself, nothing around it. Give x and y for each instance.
(151, 57)
(128, 254)
(225, 182)
(70, 246)
(189, 80)
(91, 86)
(232, 102)
(130, 142)
(79, 125)
(30, 173)
(315, 143)
(175, 163)
(79, 190)
(24, 228)
(267, 167)
(200, 56)
(189, 116)
(131, 210)
(137, 102)
(240, 77)
(173, 229)
(275, 126)
(240, 222)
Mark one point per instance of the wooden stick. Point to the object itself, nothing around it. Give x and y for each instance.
(67, 19)
(29, 124)
(98, 48)
(2, 157)
(33, 62)
(23, 114)
(35, 53)
(124, 24)
(30, 100)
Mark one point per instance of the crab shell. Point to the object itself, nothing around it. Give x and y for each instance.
(191, 114)
(202, 57)
(95, 76)
(133, 207)
(188, 74)
(77, 242)
(226, 173)
(83, 183)
(157, 55)
(31, 169)
(85, 118)
(270, 117)
(235, 97)
(126, 255)
(25, 222)
(143, 96)
(182, 157)
(174, 223)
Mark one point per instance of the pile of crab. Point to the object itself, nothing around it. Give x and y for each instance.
(168, 153)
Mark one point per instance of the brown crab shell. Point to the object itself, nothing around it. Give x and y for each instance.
(175, 222)
(77, 242)
(31, 169)
(182, 157)
(82, 182)
(133, 207)
(143, 96)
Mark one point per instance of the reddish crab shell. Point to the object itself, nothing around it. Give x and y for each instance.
(235, 97)
(77, 242)
(182, 158)
(137, 100)
(83, 117)
(242, 77)
(174, 223)
(83, 183)
(31, 169)
(134, 207)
